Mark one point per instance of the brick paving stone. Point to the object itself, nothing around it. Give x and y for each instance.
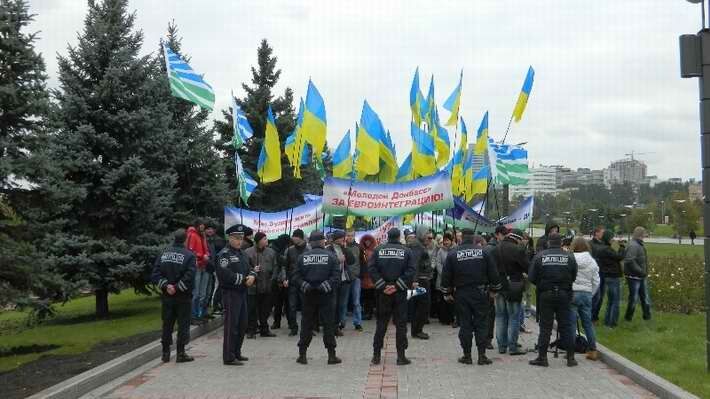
(273, 373)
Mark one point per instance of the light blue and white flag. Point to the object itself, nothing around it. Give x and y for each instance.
(509, 163)
(185, 83)
(246, 183)
(241, 128)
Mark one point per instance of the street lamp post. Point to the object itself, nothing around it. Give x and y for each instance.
(695, 62)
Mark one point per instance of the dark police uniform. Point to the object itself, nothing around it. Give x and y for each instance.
(468, 274)
(317, 275)
(175, 266)
(391, 264)
(553, 273)
(233, 268)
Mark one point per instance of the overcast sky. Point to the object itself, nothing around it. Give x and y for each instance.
(607, 71)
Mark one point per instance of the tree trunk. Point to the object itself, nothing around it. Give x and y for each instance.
(101, 304)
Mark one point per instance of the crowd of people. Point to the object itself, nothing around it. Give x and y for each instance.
(480, 284)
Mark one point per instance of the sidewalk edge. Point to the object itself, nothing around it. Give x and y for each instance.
(103, 374)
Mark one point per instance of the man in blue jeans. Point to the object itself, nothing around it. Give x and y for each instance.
(610, 273)
(355, 284)
(636, 271)
(345, 260)
(513, 264)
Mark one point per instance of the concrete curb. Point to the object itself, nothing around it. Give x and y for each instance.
(107, 372)
(662, 388)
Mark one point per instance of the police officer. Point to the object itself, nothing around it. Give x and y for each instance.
(392, 268)
(173, 272)
(553, 273)
(235, 275)
(317, 275)
(468, 274)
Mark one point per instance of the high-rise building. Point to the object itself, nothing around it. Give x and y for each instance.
(541, 180)
(625, 171)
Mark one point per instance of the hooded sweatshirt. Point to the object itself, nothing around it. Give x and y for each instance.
(587, 273)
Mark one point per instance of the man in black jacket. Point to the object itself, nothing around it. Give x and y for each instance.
(345, 261)
(317, 276)
(293, 255)
(392, 268)
(512, 261)
(173, 272)
(498, 237)
(553, 273)
(542, 244)
(610, 273)
(468, 274)
(425, 272)
(235, 275)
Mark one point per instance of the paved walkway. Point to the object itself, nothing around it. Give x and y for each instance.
(273, 373)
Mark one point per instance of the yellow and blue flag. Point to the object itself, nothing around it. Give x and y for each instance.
(388, 160)
(457, 181)
(453, 103)
(416, 99)
(342, 159)
(405, 170)
(368, 140)
(423, 152)
(482, 136)
(314, 123)
(441, 140)
(524, 95)
(290, 148)
(468, 177)
(480, 181)
(299, 143)
(269, 164)
(429, 105)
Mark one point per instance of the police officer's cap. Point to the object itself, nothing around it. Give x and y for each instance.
(316, 235)
(238, 230)
(337, 234)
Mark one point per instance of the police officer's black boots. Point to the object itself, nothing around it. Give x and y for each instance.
(401, 359)
(570, 359)
(332, 359)
(483, 360)
(540, 361)
(166, 354)
(466, 358)
(183, 357)
(302, 356)
(376, 358)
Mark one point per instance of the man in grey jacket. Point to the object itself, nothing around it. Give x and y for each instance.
(636, 271)
(259, 301)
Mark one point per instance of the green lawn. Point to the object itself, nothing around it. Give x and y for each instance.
(75, 329)
(673, 249)
(670, 345)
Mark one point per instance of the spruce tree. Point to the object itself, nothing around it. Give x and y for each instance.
(201, 184)
(24, 280)
(287, 192)
(114, 186)
(23, 95)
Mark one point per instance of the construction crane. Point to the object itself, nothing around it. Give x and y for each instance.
(637, 153)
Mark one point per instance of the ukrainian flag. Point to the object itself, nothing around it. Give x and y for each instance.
(368, 140)
(388, 160)
(482, 136)
(429, 106)
(314, 124)
(441, 140)
(524, 95)
(480, 181)
(405, 170)
(423, 152)
(269, 164)
(416, 99)
(342, 159)
(457, 181)
(453, 103)
(299, 142)
(290, 148)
